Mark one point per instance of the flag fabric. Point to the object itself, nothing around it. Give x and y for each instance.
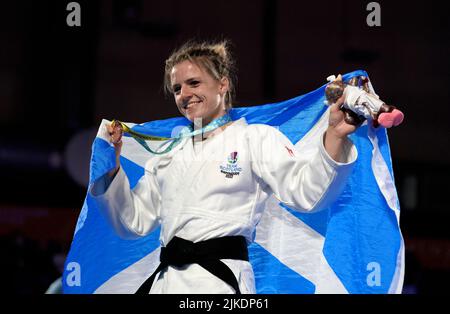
(353, 246)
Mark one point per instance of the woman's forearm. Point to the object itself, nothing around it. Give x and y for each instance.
(334, 145)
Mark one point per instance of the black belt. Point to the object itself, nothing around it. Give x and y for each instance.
(208, 254)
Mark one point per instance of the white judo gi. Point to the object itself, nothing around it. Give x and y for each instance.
(219, 189)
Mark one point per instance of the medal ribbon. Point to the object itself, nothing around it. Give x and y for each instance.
(186, 132)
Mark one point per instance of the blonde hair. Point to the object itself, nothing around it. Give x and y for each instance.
(214, 57)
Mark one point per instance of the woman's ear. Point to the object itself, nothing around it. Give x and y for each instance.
(224, 85)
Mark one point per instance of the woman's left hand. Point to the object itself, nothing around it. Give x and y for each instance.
(337, 127)
(337, 131)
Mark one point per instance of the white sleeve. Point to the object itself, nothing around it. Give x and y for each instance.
(306, 182)
(132, 212)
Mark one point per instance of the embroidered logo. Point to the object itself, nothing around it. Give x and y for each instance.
(231, 169)
(232, 159)
(289, 151)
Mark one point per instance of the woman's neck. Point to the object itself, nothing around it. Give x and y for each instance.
(210, 134)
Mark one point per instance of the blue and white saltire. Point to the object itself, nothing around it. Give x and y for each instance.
(354, 246)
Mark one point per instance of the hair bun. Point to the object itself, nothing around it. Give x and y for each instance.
(220, 49)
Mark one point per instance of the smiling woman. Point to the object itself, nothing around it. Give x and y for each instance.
(209, 202)
(201, 78)
(197, 94)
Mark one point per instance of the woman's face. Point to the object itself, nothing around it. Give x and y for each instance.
(197, 94)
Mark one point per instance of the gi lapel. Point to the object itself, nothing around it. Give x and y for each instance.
(195, 162)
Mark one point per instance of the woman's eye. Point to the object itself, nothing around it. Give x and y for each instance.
(195, 83)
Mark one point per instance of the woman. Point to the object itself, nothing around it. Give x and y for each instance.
(208, 192)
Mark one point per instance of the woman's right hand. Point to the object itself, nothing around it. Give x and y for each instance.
(115, 132)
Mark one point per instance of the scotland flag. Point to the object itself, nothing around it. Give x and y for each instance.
(354, 246)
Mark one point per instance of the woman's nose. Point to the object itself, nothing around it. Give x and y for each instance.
(185, 92)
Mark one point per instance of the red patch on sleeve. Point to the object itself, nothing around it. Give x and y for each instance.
(289, 151)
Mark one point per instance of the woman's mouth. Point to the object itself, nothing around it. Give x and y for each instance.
(191, 104)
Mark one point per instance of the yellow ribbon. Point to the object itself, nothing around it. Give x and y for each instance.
(135, 134)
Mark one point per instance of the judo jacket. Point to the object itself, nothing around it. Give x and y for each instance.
(216, 188)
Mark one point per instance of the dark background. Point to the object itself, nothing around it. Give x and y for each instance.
(57, 83)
